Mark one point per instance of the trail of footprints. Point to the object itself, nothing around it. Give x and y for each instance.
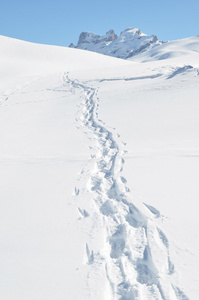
(137, 260)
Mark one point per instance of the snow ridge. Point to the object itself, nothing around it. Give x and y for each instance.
(136, 255)
(130, 42)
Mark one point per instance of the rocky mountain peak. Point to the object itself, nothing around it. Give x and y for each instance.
(91, 37)
(131, 41)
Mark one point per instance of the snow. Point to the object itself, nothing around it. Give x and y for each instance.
(184, 49)
(99, 168)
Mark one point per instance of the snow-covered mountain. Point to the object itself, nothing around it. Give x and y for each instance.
(130, 42)
(99, 173)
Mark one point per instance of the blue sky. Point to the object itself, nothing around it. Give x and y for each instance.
(60, 22)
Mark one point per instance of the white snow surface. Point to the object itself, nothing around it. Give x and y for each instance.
(99, 167)
(131, 41)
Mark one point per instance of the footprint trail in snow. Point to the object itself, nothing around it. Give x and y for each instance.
(136, 255)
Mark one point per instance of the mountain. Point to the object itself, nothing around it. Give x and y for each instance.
(99, 173)
(130, 42)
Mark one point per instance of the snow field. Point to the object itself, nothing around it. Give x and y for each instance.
(99, 168)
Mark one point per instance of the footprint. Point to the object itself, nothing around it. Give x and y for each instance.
(83, 213)
(147, 273)
(76, 191)
(123, 179)
(135, 218)
(90, 255)
(153, 210)
(118, 242)
(108, 208)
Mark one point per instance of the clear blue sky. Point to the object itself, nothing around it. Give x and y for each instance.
(59, 22)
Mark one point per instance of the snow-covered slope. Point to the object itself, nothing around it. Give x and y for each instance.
(130, 42)
(181, 50)
(99, 173)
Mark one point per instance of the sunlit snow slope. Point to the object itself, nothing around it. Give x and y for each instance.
(99, 167)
